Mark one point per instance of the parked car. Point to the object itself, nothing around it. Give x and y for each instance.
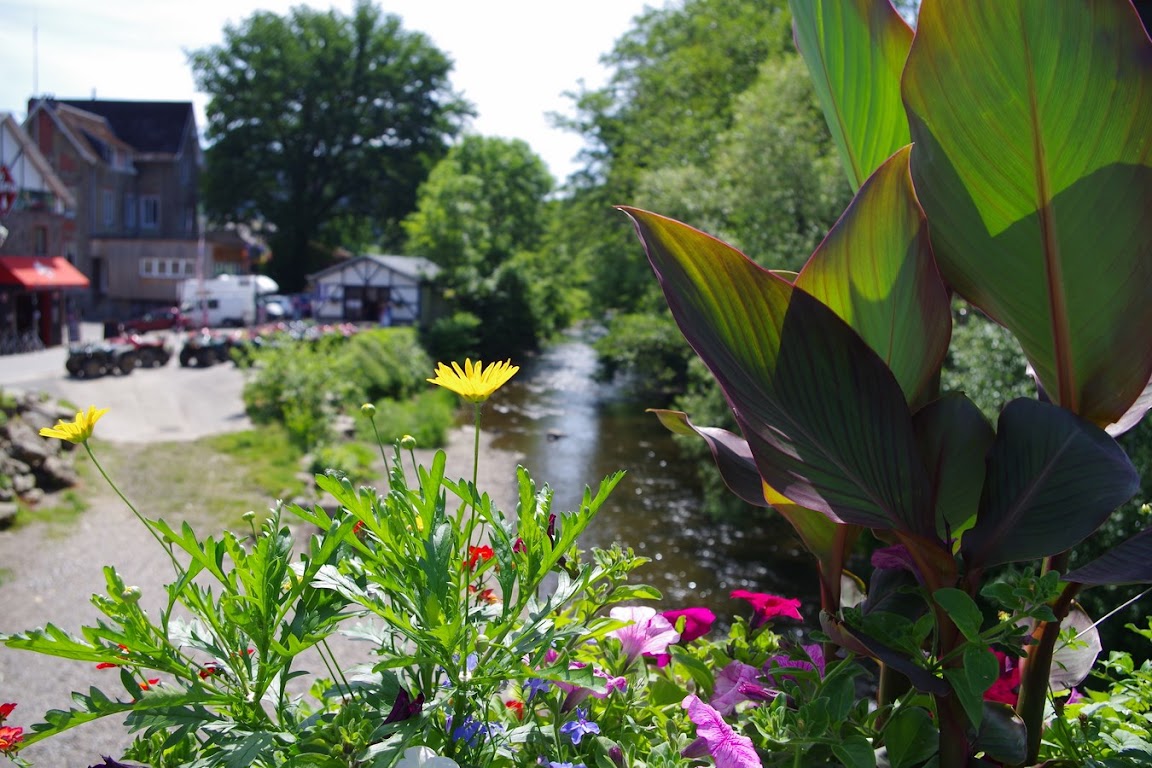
(170, 319)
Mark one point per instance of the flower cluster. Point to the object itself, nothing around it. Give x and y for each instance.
(10, 736)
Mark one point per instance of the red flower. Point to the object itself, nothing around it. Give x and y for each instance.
(5, 710)
(208, 670)
(9, 738)
(517, 707)
(147, 685)
(106, 665)
(479, 554)
(358, 528)
(1005, 689)
(766, 606)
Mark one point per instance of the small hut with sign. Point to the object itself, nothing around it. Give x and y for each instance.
(386, 290)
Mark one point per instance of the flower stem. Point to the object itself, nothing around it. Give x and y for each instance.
(140, 517)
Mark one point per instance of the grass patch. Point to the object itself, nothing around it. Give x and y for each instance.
(212, 481)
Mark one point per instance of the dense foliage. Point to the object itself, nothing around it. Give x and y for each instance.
(482, 216)
(322, 125)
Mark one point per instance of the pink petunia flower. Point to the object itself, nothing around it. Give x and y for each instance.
(1006, 688)
(736, 683)
(716, 738)
(647, 631)
(697, 623)
(766, 606)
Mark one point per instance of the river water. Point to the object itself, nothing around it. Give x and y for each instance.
(572, 431)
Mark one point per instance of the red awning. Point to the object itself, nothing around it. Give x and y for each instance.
(40, 273)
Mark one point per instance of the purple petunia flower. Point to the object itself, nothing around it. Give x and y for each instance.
(813, 651)
(716, 738)
(647, 632)
(739, 682)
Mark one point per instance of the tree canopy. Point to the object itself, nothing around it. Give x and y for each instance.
(323, 125)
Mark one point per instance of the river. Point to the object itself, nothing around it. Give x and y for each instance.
(573, 430)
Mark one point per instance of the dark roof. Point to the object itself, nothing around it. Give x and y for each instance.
(147, 126)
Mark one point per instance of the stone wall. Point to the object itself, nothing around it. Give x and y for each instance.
(31, 465)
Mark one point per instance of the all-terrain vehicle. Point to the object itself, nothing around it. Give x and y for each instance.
(93, 360)
(151, 351)
(203, 349)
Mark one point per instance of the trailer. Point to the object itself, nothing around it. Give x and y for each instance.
(225, 300)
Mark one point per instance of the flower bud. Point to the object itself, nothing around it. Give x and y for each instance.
(130, 595)
(407, 442)
(248, 516)
(368, 410)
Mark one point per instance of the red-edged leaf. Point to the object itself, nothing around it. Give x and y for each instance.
(1030, 125)
(824, 417)
(855, 50)
(1052, 479)
(875, 270)
(1127, 563)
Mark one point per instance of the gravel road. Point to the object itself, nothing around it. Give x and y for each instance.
(48, 571)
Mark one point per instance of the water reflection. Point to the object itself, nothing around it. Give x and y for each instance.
(572, 431)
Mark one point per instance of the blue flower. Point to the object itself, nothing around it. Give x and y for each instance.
(578, 728)
(535, 686)
(471, 730)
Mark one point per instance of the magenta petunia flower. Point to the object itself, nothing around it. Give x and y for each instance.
(766, 606)
(697, 623)
(648, 632)
(716, 738)
(738, 682)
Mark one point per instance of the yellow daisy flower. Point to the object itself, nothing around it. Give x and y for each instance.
(77, 431)
(474, 382)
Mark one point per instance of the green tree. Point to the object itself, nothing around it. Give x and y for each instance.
(676, 76)
(482, 216)
(323, 125)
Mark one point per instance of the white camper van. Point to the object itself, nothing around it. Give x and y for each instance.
(223, 300)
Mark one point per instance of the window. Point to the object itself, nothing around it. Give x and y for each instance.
(40, 241)
(150, 211)
(130, 211)
(109, 208)
(167, 269)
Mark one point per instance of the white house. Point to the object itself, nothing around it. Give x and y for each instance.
(389, 290)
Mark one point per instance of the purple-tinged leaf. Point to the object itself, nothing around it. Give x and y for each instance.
(1003, 736)
(954, 439)
(1052, 479)
(1129, 562)
(875, 270)
(1133, 415)
(825, 419)
(734, 459)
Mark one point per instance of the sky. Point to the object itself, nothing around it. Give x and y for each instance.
(514, 59)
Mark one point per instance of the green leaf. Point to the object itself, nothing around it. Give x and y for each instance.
(825, 419)
(1003, 735)
(875, 270)
(961, 609)
(910, 737)
(848, 43)
(855, 751)
(954, 438)
(1032, 164)
(970, 681)
(1052, 479)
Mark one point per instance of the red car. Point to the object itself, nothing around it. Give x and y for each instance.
(157, 320)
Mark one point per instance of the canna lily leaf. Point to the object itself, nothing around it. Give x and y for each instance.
(875, 270)
(1134, 414)
(954, 438)
(823, 416)
(1052, 479)
(1030, 125)
(1130, 562)
(855, 50)
(734, 459)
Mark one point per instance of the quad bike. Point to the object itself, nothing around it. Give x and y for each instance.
(93, 360)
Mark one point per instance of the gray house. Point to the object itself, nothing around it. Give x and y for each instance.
(389, 290)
